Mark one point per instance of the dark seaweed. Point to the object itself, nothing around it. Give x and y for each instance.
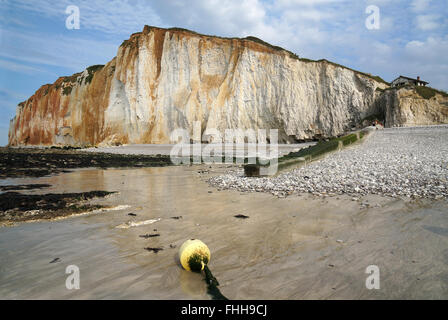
(212, 285)
(34, 162)
(24, 187)
(19, 207)
(148, 235)
(155, 250)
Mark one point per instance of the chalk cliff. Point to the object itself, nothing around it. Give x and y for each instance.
(412, 106)
(164, 79)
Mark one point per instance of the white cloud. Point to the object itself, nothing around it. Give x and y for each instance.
(289, 3)
(428, 59)
(382, 48)
(419, 5)
(414, 44)
(428, 22)
(307, 14)
(432, 49)
(223, 17)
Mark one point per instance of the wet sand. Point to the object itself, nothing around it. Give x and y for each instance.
(299, 247)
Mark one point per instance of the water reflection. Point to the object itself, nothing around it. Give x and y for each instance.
(193, 284)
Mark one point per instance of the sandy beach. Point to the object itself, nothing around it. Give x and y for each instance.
(299, 247)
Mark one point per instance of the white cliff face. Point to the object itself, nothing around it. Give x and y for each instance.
(230, 84)
(162, 80)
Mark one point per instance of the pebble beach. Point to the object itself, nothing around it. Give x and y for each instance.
(396, 162)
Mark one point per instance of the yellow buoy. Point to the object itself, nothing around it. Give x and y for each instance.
(194, 255)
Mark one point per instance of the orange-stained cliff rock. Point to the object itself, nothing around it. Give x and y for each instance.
(165, 79)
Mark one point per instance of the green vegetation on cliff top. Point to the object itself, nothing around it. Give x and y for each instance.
(428, 92)
(424, 92)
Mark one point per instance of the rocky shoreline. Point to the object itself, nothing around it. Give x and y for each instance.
(396, 162)
(39, 162)
(17, 207)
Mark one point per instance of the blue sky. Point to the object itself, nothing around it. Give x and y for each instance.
(36, 47)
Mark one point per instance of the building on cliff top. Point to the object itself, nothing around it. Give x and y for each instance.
(402, 80)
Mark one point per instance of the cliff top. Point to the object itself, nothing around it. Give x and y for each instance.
(147, 29)
(249, 41)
